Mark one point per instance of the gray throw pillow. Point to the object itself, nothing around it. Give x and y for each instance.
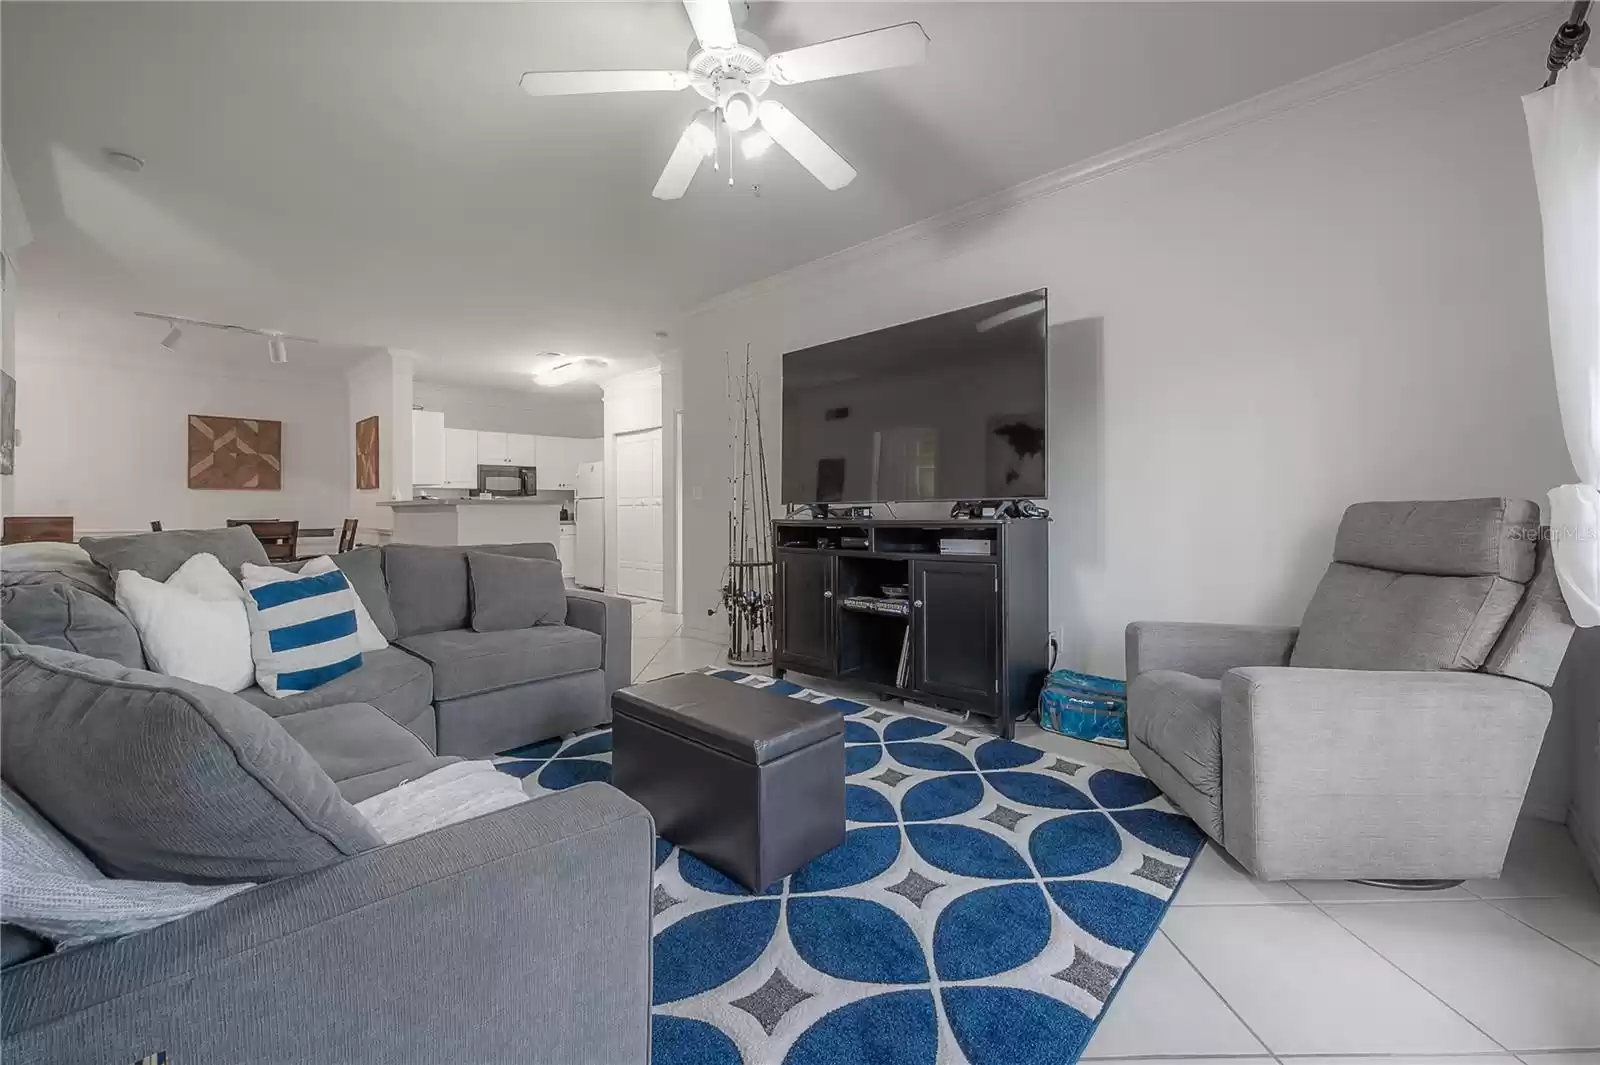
(158, 555)
(515, 593)
(157, 778)
(53, 613)
(363, 568)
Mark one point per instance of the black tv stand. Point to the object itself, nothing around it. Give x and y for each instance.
(970, 633)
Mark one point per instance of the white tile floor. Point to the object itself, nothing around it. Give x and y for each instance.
(1495, 972)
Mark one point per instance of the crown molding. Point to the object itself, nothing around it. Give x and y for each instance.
(1503, 20)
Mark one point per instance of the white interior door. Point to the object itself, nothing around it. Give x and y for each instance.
(639, 556)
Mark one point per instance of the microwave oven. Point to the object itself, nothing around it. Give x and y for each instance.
(507, 481)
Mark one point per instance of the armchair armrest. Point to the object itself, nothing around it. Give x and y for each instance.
(1206, 650)
(1333, 773)
(521, 936)
(611, 617)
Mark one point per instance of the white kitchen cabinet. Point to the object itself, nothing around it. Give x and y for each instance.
(492, 449)
(427, 447)
(567, 549)
(461, 458)
(522, 449)
(560, 457)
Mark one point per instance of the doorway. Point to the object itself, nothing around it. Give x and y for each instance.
(640, 568)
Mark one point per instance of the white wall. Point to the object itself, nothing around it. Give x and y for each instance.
(632, 404)
(14, 233)
(506, 411)
(105, 434)
(382, 385)
(1251, 328)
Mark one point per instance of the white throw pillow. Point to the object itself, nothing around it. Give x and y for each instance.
(193, 626)
(366, 629)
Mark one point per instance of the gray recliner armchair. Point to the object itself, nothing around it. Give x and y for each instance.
(1392, 734)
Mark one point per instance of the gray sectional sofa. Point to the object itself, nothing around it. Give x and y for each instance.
(519, 936)
(458, 691)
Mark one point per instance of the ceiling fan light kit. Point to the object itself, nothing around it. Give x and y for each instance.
(734, 74)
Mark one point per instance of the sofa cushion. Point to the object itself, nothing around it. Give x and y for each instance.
(160, 779)
(355, 789)
(364, 568)
(466, 662)
(62, 615)
(399, 684)
(1179, 716)
(1449, 538)
(36, 563)
(158, 555)
(48, 886)
(515, 593)
(1363, 618)
(354, 740)
(428, 587)
(1535, 640)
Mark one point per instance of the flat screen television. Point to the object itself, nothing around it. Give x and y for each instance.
(951, 407)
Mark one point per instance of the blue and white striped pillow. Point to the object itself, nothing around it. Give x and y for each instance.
(302, 628)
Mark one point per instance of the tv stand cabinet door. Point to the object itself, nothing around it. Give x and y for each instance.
(805, 612)
(956, 612)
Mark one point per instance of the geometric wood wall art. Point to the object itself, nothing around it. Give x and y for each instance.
(367, 453)
(235, 453)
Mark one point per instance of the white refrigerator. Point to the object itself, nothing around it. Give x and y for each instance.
(591, 567)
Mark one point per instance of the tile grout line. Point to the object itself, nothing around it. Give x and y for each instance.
(1534, 928)
(1322, 909)
(1173, 943)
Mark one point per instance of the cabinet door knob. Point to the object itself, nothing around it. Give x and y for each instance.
(827, 595)
(917, 603)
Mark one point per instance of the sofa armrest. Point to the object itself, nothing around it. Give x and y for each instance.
(1205, 650)
(1332, 773)
(612, 617)
(520, 936)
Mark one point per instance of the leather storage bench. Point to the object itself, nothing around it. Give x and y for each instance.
(746, 780)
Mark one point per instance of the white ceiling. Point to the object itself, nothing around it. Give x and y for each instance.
(370, 173)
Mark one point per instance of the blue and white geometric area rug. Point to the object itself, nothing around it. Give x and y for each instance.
(986, 904)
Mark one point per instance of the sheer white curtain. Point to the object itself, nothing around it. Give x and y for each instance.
(1564, 131)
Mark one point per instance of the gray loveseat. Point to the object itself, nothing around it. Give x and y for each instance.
(460, 692)
(1393, 733)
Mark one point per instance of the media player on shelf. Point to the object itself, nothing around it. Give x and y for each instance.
(963, 546)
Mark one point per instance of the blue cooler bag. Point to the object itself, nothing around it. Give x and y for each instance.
(1085, 707)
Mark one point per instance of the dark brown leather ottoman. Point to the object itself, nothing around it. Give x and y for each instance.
(745, 780)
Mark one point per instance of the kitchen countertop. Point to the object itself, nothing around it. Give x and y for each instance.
(502, 501)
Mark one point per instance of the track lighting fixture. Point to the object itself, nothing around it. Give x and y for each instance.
(276, 351)
(170, 341)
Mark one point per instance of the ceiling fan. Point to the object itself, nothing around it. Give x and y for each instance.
(732, 70)
(277, 350)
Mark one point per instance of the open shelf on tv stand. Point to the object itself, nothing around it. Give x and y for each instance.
(975, 638)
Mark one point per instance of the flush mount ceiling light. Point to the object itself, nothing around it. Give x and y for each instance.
(566, 370)
(277, 350)
(123, 160)
(732, 69)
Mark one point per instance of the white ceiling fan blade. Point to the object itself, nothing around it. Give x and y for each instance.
(681, 168)
(713, 22)
(894, 46)
(808, 149)
(580, 82)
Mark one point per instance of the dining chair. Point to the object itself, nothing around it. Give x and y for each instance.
(281, 539)
(26, 530)
(347, 536)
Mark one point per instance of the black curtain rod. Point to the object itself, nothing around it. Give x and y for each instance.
(1569, 41)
